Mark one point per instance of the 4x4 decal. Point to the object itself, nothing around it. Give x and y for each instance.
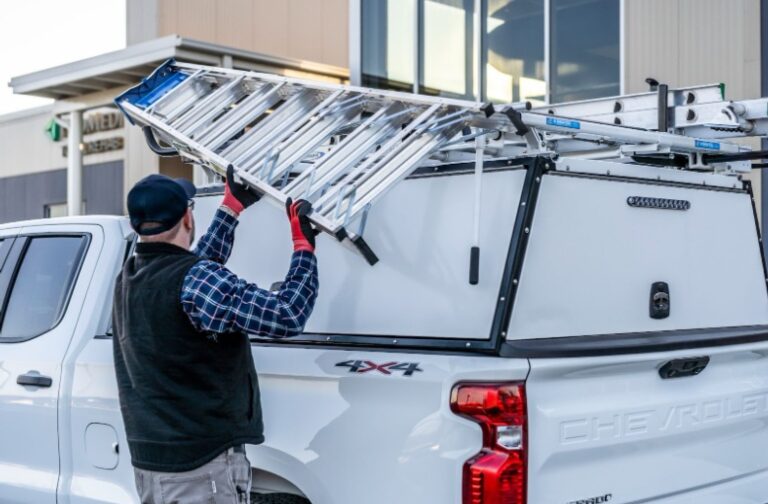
(365, 366)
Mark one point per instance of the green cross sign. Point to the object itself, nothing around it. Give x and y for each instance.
(53, 130)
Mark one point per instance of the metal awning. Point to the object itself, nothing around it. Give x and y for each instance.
(128, 66)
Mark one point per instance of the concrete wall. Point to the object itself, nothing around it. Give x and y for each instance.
(313, 30)
(25, 196)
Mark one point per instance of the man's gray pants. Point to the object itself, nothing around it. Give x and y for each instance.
(224, 480)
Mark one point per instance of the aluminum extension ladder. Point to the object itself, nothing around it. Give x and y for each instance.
(339, 147)
(343, 147)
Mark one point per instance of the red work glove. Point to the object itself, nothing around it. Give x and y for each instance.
(237, 197)
(302, 232)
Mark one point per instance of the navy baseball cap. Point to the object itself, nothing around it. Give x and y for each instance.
(159, 200)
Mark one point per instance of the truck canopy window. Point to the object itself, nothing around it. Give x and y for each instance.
(42, 286)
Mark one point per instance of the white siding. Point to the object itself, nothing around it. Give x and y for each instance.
(24, 145)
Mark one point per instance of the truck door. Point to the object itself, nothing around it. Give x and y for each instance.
(38, 282)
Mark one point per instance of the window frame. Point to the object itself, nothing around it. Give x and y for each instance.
(5, 252)
(130, 248)
(8, 265)
(16, 255)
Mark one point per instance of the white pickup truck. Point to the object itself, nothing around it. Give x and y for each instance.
(614, 348)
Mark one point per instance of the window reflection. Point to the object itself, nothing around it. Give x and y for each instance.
(514, 69)
(585, 49)
(388, 43)
(447, 48)
(583, 58)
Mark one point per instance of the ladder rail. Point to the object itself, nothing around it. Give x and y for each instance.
(379, 94)
(694, 95)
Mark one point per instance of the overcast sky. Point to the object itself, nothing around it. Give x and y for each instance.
(38, 34)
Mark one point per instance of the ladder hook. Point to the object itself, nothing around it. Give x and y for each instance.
(156, 147)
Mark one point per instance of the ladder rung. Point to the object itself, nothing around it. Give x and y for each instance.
(260, 134)
(197, 107)
(283, 123)
(315, 132)
(349, 152)
(182, 95)
(241, 115)
(363, 170)
(209, 107)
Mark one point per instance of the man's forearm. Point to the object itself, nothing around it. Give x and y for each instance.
(216, 243)
(216, 300)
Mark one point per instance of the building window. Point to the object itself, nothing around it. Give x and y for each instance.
(388, 43)
(514, 51)
(446, 48)
(432, 43)
(584, 49)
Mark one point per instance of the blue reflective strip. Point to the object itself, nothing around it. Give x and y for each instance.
(701, 144)
(152, 88)
(156, 93)
(563, 123)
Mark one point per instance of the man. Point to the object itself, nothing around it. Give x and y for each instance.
(187, 384)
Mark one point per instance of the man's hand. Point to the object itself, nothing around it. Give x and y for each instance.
(302, 232)
(237, 197)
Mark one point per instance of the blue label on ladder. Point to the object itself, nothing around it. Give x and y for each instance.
(563, 123)
(152, 88)
(161, 87)
(702, 144)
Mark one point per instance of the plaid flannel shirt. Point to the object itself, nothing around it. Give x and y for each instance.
(217, 301)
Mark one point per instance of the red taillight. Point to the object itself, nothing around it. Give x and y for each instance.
(496, 475)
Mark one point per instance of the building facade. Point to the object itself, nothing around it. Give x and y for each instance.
(543, 51)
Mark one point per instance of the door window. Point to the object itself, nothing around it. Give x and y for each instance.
(42, 285)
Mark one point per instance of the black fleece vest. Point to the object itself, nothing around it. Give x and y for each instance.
(185, 396)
